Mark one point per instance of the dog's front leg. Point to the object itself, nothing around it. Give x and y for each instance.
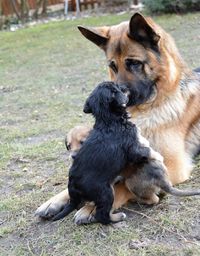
(53, 206)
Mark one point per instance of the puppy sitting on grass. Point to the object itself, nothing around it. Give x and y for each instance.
(111, 145)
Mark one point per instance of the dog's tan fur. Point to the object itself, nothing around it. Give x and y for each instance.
(170, 120)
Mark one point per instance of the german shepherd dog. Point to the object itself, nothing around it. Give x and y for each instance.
(112, 144)
(143, 57)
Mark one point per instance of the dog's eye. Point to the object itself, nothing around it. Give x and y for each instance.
(113, 66)
(132, 64)
(81, 142)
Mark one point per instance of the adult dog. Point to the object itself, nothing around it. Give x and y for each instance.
(142, 56)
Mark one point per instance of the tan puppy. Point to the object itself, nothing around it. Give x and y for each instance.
(75, 138)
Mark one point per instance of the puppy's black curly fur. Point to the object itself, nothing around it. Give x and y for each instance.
(111, 145)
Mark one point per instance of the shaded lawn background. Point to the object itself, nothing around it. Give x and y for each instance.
(46, 73)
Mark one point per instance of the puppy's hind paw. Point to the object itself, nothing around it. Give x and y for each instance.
(123, 216)
(117, 217)
(156, 156)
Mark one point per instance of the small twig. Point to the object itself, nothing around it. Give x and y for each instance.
(161, 226)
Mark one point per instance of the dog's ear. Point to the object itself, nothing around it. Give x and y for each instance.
(141, 31)
(87, 108)
(98, 36)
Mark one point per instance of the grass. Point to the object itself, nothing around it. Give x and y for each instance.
(46, 73)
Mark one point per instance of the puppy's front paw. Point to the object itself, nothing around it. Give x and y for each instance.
(156, 156)
(118, 179)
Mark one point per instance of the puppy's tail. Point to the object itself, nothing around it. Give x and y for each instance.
(167, 187)
(66, 210)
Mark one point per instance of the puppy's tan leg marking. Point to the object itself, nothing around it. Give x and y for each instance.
(116, 217)
(53, 206)
(122, 196)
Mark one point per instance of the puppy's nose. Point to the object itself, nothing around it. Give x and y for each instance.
(73, 154)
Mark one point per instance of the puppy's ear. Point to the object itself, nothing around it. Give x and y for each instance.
(87, 108)
(141, 31)
(98, 35)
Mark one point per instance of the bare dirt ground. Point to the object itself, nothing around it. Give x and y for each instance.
(46, 73)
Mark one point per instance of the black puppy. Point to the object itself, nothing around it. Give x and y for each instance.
(110, 146)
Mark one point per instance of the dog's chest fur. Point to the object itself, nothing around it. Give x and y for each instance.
(169, 114)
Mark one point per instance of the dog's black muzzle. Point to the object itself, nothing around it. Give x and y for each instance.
(140, 92)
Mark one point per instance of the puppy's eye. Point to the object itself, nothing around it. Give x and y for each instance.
(132, 64)
(113, 66)
(81, 142)
(114, 91)
(124, 89)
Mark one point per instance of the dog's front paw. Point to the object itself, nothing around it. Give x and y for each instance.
(53, 206)
(85, 215)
